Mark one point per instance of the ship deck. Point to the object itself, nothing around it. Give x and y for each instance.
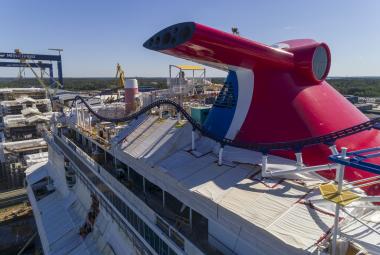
(57, 216)
(268, 213)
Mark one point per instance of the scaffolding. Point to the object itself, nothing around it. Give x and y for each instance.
(180, 85)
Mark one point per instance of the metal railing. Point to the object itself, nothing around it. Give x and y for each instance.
(80, 166)
(138, 245)
(339, 192)
(177, 237)
(78, 161)
(173, 233)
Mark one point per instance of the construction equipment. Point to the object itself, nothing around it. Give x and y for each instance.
(120, 76)
(29, 60)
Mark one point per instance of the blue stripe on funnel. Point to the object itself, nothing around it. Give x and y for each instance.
(221, 114)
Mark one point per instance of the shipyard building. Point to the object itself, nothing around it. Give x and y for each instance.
(24, 115)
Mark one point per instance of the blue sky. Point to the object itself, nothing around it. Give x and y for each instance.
(95, 35)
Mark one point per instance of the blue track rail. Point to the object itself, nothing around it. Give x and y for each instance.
(359, 159)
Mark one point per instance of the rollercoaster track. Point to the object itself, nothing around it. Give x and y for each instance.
(297, 145)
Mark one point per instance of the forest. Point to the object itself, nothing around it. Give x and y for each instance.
(359, 86)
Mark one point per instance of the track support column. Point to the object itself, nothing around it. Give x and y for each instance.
(333, 149)
(339, 180)
(264, 163)
(299, 160)
(220, 156)
(193, 140)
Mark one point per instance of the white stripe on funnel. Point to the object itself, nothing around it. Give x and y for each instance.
(245, 79)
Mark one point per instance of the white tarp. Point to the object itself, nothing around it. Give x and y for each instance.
(258, 215)
(251, 209)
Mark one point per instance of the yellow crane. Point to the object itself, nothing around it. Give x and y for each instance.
(120, 75)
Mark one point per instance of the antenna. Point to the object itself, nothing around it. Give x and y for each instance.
(235, 31)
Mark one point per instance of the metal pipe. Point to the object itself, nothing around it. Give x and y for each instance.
(364, 180)
(193, 140)
(305, 169)
(76, 110)
(360, 221)
(190, 217)
(335, 232)
(334, 150)
(89, 121)
(27, 243)
(370, 199)
(363, 185)
(264, 163)
(220, 158)
(369, 207)
(299, 160)
(339, 179)
(82, 115)
(340, 173)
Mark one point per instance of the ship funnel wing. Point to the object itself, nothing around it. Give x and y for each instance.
(216, 48)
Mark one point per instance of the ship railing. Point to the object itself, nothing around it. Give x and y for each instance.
(174, 235)
(177, 237)
(138, 244)
(340, 192)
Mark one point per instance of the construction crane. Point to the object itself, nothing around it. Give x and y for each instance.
(120, 75)
(29, 60)
(120, 78)
(22, 57)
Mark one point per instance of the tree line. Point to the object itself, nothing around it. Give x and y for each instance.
(361, 86)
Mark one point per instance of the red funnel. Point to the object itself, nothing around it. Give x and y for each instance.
(282, 93)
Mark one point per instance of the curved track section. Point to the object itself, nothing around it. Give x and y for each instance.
(328, 139)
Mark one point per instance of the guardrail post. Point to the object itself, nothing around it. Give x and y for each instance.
(339, 179)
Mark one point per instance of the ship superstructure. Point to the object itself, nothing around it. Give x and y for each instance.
(24, 114)
(162, 179)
